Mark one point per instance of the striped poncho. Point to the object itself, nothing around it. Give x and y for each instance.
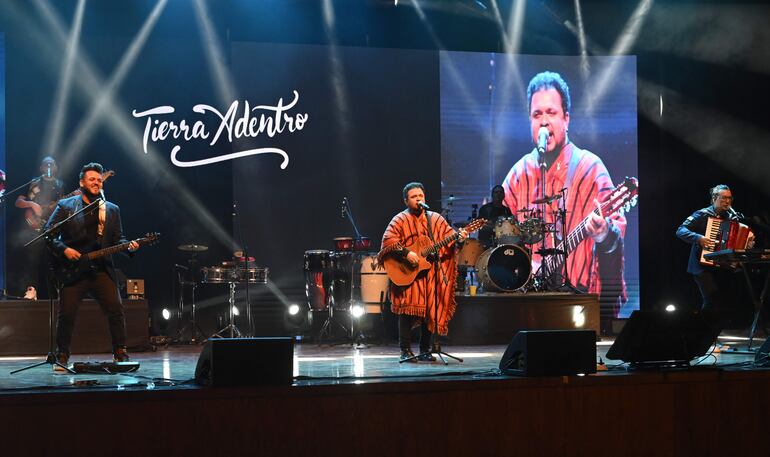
(588, 265)
(417, 299)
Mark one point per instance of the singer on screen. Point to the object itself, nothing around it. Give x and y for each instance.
(581, 178)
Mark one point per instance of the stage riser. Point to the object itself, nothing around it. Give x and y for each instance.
(24, 327)
(648, 414)
(495, 319)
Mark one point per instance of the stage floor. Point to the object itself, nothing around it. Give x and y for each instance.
(174, 367)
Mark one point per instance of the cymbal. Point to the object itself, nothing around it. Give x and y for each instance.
(545, 199)
(192, 247)
(450, 199)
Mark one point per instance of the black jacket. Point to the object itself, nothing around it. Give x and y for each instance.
(75, 234)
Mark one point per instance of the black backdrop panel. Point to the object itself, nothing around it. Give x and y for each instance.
(372, 126)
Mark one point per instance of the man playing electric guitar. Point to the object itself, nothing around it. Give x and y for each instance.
(38, 202)
(413, 303)
(89, 231)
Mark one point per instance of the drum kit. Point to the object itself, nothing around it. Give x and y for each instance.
(232, 272)
(505, 263)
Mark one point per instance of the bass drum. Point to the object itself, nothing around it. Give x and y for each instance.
(506, 268)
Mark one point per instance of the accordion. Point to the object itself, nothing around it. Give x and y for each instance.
(726, 234)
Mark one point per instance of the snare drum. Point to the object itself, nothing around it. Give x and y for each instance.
(505, 268)
(317, 278)
(470, 252)
(374, 284)
(507, 230)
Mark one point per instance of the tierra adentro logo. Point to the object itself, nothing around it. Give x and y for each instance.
(240, 121)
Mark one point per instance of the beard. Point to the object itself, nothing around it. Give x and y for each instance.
(87, 192)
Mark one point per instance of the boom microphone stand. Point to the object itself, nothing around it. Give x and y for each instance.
(435, 344)
(49, 235)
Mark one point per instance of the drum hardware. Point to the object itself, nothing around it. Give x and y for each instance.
(344, 286)
(186, 277)
(192, 247)
(546, 199)
(232, 276)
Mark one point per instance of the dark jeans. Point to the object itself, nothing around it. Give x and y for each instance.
(716, 288)
(104, 290)
(405, 333)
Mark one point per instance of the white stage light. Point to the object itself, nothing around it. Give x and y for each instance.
(357, 311)
(166, 314)
(293, 309)
(235, 311)
(670, 308)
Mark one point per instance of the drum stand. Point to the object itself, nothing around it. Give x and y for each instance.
(234, 332)
(329, 324)
(195, 330)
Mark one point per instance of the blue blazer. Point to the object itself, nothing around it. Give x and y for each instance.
(74, 233)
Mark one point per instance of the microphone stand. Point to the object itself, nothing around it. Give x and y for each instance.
(5, 196)
(358, 340)
(542, 280)
(566, 283)
(49, 235)
(245, 248)
(435, 347)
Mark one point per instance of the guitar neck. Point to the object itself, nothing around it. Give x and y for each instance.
(110, 250)
(439, 244)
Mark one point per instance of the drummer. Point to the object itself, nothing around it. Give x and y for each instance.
(491, 211)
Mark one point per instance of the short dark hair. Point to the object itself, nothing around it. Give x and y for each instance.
(410, 186)
(93, 166)
(714, 191)
(497, 187)
(549, 80)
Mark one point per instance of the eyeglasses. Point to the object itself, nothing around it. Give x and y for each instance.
(722, 197)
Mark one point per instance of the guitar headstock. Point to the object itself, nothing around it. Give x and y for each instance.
(107, 174)
(622, 198)
(149, 238)
(475, 225)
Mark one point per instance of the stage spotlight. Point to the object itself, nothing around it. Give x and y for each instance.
(357, 311)
(235, 311)
(578, 316)
(298, 318)
(670, 308)
(166, 314)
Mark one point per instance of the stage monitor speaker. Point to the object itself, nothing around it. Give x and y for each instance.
(233, 362)
(550, 353)
(662, 338)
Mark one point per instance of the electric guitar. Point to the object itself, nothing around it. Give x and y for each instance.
(70, 271)
(36, 222)
(621, 200)
(403, 273)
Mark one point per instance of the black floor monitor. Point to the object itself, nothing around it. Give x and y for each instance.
(662, 338)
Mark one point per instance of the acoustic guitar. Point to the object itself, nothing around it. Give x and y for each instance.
(402, 272)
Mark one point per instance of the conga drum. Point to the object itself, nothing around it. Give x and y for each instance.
(317, 278)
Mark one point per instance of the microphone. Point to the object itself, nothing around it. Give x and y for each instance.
(101, 195)
(48, 172)
(734, 214)
(542, 139)
(423, 205)
(343, 206)
(181, 267)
